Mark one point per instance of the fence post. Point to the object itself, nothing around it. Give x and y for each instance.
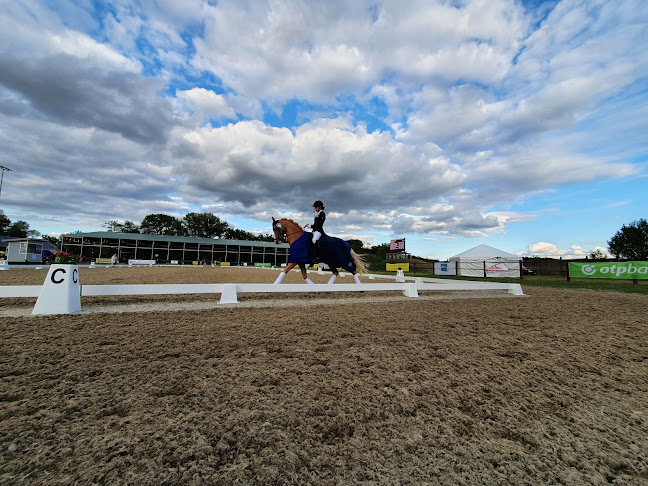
(567, 267)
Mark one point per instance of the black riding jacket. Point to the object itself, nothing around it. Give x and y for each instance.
(318, 224)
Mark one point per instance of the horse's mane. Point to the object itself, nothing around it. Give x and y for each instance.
(291, 221)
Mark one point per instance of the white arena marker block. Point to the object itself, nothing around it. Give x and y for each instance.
(515, 289)
(4, 265)
(410, 290)
(228, 295)
(61, 291)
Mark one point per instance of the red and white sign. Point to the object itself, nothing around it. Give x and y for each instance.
(496, 269)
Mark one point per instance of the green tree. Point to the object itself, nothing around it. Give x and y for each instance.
(161, 224)
(371, 258)
(264, 237)
(204, 225)
(631, 241)
(239, 234)
(19, 229)
(356, 245)
(597, 255)
(54, 240)
(112, 225)
(380, 250)
(5, 223)
(129, 227)
(118, 227)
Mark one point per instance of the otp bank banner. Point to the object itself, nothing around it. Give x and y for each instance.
(609, 270)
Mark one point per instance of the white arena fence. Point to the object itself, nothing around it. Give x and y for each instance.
(61, 292)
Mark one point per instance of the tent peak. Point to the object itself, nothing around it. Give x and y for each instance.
(484, 251)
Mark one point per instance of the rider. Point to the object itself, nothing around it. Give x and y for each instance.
(318, 225)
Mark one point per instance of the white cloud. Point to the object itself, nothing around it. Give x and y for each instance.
(207, 103)
(251, 161)
(617, 204)
(549, 250)
(483, 110)
(441, 115)
(276, 51)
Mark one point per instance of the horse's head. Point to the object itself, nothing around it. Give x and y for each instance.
(279, 232)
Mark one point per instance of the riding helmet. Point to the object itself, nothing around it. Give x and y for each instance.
(318, 204)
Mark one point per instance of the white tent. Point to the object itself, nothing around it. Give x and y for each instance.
(486, 261)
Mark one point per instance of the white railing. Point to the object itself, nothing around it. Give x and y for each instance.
(61, 291)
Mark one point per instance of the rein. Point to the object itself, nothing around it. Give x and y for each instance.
(277, 225)
(293, 233)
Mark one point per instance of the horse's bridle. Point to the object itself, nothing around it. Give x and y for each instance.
(276, 225)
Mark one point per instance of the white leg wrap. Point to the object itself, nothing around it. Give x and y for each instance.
(280, 278)
(332, 279)
(357, 279)
(308, 281)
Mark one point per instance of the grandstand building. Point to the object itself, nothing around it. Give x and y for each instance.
(173, 249)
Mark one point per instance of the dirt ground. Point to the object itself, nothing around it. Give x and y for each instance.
(459, 388)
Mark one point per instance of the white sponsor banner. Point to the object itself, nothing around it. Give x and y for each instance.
(496, 269)
(141, 262)
(445, 268)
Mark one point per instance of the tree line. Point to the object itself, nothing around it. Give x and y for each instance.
(197, 225)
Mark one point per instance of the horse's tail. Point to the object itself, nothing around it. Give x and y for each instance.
(360, 264)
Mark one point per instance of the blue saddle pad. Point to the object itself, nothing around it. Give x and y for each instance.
(336, 253)
(299, 249)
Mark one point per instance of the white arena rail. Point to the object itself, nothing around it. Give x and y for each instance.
(61, 292)
(229, 291)
(20, 290)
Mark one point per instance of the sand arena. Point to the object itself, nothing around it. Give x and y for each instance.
(452, 388)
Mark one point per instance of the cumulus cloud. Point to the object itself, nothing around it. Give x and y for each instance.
(278, 50)
(549, 250)
(83, 96)
(356, 169)
(72, 79)
(206, 103)
(442, 115)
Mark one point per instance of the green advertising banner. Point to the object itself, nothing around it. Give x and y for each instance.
(631, 270)
(263, 264)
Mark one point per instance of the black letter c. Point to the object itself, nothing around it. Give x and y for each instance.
(54, 275)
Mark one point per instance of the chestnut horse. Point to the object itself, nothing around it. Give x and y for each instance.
(335, 252)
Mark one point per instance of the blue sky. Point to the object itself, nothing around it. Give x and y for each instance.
(521, 125)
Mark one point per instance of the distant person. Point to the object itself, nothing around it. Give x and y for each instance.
(114, 260)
